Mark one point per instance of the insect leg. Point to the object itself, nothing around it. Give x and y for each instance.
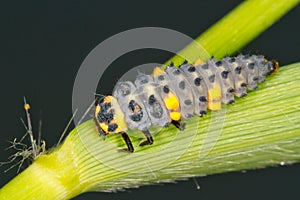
(179, 125)
(149, 138)
(127, 141)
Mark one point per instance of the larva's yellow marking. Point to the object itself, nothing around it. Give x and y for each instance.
(214, 98)
(175, 116)
(172, 102)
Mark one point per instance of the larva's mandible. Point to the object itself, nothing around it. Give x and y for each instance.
(176, 94)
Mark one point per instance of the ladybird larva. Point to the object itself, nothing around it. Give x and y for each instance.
(176, 94)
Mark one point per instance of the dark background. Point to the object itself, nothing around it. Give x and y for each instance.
(43, 43)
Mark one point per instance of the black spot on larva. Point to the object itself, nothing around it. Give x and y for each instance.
(202, 99)
(218, 63)
(136, 117)
(161, 77)
(204, 66)
(171, 64)
(166, 89)
(262, 62)
(231, 60)
(185, 62)
(202, 112)
(238, 70)
(197, 81)
(176, 72)
(192, 69)
(110, 116)
(151, 99)
(112, 127)
(136, 110)
(224, 74)
(105, 107)
(231, 101)
(255, 78)
(181, 85)
(101, 117)
(131, 105)
(187, 102)
(144, 81)
(212, 78)
(244, 85)
(230, 90)
(251, 65)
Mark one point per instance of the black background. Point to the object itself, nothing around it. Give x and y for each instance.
(43, 43)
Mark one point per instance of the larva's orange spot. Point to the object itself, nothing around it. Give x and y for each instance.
(214, 98)
(104, 127)
(108, 99)
(97, 110)
(175, 116)
(158, 71)
(172, 102)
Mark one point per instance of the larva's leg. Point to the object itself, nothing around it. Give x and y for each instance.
(127, 141)
(100, 131)
(149, 138)
(179, 125)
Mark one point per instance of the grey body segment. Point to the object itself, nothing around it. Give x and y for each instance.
(251, 69)
(166, 86)
(210, 76)
(149, 92)
(183, 91)
(199, 88)
(225, 75)
(239, 74)
(264, 67)
(136, 115)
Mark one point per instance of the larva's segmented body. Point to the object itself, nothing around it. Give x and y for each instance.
(176, 94)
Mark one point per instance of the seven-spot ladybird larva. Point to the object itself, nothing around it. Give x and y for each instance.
(175, 94)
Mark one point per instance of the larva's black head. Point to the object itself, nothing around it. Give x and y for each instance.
(109, 115)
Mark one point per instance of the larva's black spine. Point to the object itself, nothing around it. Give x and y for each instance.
(176, 94)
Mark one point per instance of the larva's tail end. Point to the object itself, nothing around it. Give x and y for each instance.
(274, 66)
